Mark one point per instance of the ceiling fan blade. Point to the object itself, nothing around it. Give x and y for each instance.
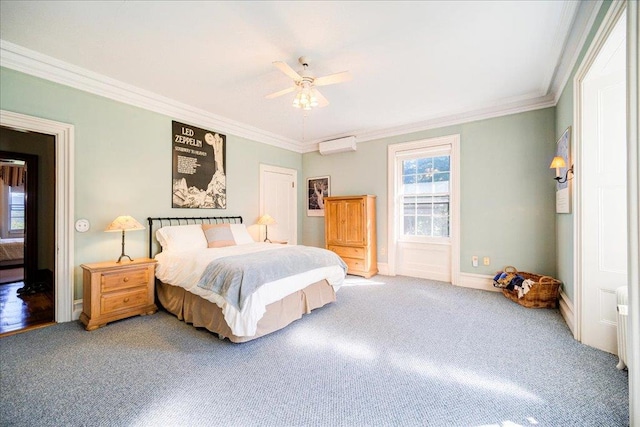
(343, 76)
(285, 68)
(322, 101)
(280, 93)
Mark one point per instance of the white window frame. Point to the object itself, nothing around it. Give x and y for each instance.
(451, 142)
(12, 231)
(419, 153)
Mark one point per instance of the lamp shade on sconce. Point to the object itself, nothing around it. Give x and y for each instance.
(124, 223)
(558, 163)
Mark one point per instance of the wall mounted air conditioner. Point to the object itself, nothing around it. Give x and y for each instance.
(337, 145)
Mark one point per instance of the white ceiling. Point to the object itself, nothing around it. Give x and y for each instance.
(413, 63)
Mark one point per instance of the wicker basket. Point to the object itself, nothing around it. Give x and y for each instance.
(543, 294)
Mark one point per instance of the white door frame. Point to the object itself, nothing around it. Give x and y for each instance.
(607, 26)
(454, 141)
(633, 201)
(64, 135)
(277, 169)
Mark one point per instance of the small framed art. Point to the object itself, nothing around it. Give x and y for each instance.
(318, 188)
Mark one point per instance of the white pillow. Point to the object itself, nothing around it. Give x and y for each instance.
(181, 237)
(241, 235)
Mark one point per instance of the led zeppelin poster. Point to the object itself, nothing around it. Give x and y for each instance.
(199, 158)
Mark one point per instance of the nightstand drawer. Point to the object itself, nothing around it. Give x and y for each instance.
(125, 279)
(120, 300)
(348, 251)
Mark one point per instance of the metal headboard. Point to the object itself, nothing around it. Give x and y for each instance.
(162, 222)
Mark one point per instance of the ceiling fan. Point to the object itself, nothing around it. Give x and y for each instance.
(305, 84)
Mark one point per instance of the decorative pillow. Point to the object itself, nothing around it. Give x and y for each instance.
(221, 235)
(181, 237)
(218, 235)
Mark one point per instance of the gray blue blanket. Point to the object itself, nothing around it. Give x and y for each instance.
(236, 277)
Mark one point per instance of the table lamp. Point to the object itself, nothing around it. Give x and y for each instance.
(124, 223)
(266, 220)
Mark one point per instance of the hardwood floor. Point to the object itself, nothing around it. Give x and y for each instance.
(25, 310)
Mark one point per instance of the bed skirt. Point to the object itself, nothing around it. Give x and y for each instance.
(205, 314)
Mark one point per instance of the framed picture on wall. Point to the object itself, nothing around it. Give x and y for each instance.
(318, 188)
(563, 197)
(199, 158)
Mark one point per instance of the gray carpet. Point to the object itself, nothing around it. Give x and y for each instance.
(409, 352)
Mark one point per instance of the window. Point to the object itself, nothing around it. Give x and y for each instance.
(424, 194)
(16, 210)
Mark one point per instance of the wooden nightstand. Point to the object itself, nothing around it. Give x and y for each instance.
(113, 291)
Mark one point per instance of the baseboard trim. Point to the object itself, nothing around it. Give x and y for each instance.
(477, 281)
(566, 310)
(77, 309)
(383, 268)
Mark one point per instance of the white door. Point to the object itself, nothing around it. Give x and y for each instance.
(604, 205)
(278, 199)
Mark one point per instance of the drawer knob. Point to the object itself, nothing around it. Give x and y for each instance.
(126, 279)
(126, 300)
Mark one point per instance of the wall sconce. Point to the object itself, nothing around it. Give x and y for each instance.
(557, 163)
(124, 223)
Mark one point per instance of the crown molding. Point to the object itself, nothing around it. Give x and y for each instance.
(36, 64)
(560, 40)
(473, 115)
(581, 26)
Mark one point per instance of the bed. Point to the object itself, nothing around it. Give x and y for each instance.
(212, 274)
(11, 252)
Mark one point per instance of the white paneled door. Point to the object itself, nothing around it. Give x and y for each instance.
(604, 208)
(278, 199)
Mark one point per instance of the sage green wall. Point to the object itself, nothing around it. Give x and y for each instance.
(564, 119)
(123, 164)
(507, 190)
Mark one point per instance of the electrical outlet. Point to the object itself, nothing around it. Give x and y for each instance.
(486, 260)
(383, 250)
(474, 261)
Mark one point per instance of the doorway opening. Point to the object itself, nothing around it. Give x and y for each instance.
(27, 207)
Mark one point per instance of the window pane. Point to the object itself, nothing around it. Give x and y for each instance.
(424, 177)
(409, 206)
(408, 179)
(441, 209)
(425, 207)
(425, 164)
(16, 210)
(424, 226)
(409, 225)
(442, 163)
(441, 227)
(441, 176)
(409, 166)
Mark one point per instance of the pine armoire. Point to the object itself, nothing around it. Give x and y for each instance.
(350, 232)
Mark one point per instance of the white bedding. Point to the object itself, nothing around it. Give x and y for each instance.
(11, 249)
(184, 268)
